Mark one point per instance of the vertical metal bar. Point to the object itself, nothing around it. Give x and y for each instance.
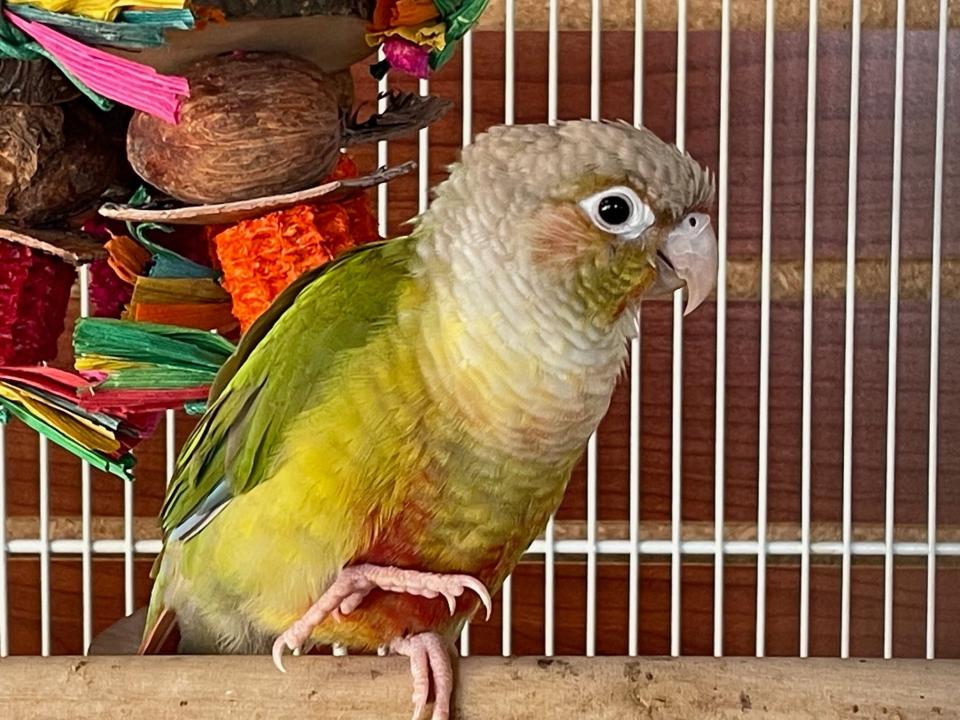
(933, 415)
(553, 72)
(382, 155)
(44, 546)
(765, 253)
(509, 62)
(467, 85)
(721, 362)
(549, 577)
(171, 443)
(128, 509)
(86, 533)
(423, 159)
(591, 620)
(638, 62)
(892, 337)
(633, 596)
(633, 599)
(596, 78)
(506, 603)
(549, 559)
(4, 609)
(807, 412)
(849, 324)
(677, 400)
(128, 544)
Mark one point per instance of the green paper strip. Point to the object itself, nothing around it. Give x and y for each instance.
(97, 418)
(167, 263)
(174, 347)
(459, 18)
(159, 377)
(132, 30)
(462, 18)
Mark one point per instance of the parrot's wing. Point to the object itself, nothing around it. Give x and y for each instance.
(295, 345)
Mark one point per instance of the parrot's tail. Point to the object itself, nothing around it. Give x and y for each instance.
(162, 637)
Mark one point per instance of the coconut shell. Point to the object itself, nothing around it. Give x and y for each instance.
(54, 160)
(255, 124)
(33, 82)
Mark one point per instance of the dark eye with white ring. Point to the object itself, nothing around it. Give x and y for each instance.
(618, 211)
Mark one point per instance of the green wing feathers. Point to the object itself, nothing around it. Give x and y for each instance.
(293, 347)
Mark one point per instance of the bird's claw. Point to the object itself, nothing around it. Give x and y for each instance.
(279, 648)
(467, 582)
(480, 589)
(286, 641)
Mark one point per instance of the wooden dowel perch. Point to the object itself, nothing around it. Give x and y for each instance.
(108, 688)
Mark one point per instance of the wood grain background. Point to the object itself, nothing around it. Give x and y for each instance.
(700, 343)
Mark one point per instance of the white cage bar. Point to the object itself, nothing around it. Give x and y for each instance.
(592, 547)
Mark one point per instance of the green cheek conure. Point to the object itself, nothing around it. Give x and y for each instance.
(396, 429)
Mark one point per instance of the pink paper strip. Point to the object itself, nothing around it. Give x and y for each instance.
(129, 83)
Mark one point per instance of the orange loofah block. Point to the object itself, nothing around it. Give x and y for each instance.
(260, 257)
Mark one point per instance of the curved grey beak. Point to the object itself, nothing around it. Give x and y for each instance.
(688, 258)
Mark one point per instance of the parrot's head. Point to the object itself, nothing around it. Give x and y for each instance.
(594, 215)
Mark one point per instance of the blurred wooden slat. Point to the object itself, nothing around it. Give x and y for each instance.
(25, 527)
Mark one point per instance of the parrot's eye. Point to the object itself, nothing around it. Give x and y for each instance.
(619, 211)
(614, 210)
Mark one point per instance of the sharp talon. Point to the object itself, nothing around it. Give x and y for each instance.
(278, 649)
(482, 592)
(336, 615)
(451, 602)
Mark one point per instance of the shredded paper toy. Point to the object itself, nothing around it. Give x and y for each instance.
(34, 292)
(418, 36)
(99, 75)
(46, 399)
(145, 366)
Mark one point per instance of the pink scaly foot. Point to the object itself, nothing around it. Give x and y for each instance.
(429, 657)
(353, 584)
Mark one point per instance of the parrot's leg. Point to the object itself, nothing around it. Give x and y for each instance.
(428, 657)
(354, 583)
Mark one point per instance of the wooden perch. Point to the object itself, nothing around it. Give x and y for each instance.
(489, 687)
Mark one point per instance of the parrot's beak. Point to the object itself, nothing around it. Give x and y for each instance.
(687, 258)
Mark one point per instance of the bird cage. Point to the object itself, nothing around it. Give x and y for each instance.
(778, 473)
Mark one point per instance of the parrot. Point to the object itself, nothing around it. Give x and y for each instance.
(395, 430)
